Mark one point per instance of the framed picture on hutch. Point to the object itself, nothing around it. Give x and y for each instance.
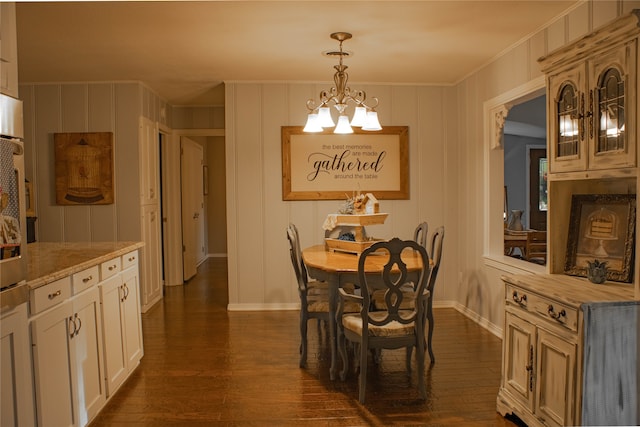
(602, 227)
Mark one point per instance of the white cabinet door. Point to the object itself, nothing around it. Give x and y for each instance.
(53, 362)
(151, 257)
(148, 142)
(611, 126)
(115, 363)
(555, 385)
(132, 324)
(519, 357)
(8, 50)
(87, 346)
(567, 129)
(15, 370)
(122, 326)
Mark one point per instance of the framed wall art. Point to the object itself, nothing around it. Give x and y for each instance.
(84, 168)
(328, 166)
(602, 227)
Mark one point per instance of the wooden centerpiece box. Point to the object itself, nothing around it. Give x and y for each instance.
(356, 223)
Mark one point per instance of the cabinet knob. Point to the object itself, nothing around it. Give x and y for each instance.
(86, 279)
(55, 294)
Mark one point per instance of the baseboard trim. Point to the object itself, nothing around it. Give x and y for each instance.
(485, 323)
(263, 307)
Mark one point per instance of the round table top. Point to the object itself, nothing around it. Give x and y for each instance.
(341, 262)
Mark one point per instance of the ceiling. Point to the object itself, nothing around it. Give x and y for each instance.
(185, 50)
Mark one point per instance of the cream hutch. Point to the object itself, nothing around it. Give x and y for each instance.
(570, 347)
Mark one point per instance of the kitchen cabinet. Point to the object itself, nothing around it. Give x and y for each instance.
(17, 408)
(8, 50)
(149, 162)
(67, 360)
(592, 97)
(119, 296)
(151, 256)
(592, 105)
(69, 347)
(540, 362)
(552, 362)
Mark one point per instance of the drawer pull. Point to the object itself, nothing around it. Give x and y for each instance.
(55, 294)
(86, 279)
(519, 300)
(557, 316)
(112, 267)
(75, 327)
(132, 258)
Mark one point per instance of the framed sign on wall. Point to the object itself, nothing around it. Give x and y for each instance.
(84, 168)
(328, 166)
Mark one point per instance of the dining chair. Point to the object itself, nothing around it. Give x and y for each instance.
(420, 233)
(314, 294)
(434, 250)
(536, 247)
(420, 236)
(392, 327)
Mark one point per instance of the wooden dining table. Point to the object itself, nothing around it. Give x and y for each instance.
(338, 268)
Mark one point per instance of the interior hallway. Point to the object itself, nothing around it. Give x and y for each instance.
(204, 366)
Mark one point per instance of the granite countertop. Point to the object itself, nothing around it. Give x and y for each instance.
(49, 261)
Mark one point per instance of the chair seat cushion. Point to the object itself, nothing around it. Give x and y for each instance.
(353, 322)
(322, 306)
(316, 284)
(318, 299)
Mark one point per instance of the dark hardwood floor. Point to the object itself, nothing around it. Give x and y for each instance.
(209, 367)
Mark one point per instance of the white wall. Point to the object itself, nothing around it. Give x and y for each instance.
(85, 107)
(260, 274)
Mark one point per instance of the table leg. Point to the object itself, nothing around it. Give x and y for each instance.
(333, 308)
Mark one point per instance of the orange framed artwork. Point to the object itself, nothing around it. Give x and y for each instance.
(328, 166)
(84, 168)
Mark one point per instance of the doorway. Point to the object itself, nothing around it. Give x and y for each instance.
(215, 222)
(538, 188)
(524, 155)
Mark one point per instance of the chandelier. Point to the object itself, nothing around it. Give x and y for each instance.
(364, 116)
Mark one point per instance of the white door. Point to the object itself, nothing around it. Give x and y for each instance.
(192, 204)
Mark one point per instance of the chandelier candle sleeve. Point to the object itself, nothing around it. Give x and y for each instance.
(340, 95)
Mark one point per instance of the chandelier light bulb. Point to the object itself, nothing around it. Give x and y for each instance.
(372, 123)
(324, 117)
(359, 117)
(343, 125)
(313, 123)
